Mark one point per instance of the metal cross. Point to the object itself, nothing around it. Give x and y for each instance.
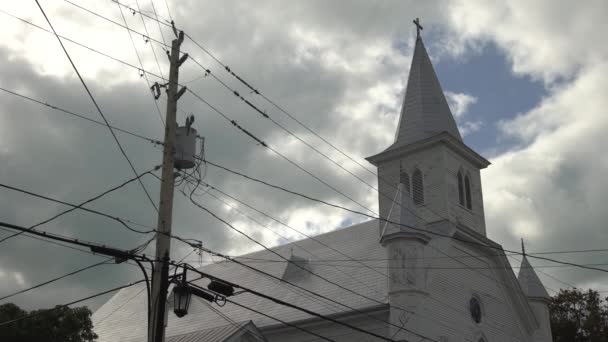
(418, 27)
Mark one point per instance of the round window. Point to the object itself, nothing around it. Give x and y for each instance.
(475, 309)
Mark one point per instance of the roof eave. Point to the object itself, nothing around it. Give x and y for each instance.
(395, 151)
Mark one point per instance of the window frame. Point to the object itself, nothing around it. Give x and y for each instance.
(417, 187)
(460, 189)
(467, 192)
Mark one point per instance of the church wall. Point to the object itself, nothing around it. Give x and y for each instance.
(473, 218)
(334, 331)
(451, 284)
(541, 311)
(431, 163)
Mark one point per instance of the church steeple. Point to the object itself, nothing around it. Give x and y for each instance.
(428, 156)
(425, 111)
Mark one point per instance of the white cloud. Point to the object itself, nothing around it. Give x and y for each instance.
(459, 103)
(469, 127)
(545, 39)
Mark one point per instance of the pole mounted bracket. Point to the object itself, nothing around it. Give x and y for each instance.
(155, 90)
(180, 93)
(182, 60)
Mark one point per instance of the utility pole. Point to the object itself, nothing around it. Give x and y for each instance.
(160, 274)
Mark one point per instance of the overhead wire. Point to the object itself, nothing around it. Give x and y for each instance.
(39, 312)
(233, 122)
(97, 322)
(393, 222)
(493, 326)
(293, 306)
(54, 279)
(78, 206)
(295, 164)
(81, 116)
(295, 264)
(123, 152)
(145, 75)
(280, 320)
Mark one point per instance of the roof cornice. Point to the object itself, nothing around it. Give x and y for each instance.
(395, 151)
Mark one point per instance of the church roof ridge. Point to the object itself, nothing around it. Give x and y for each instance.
(291, 243)
(425, 111)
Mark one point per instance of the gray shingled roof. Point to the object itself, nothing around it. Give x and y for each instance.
(123, 317)
(529, 281)
(425, 111)
(220, 334)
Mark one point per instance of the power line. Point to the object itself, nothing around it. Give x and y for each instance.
(295, 264)
(324, 263)
(292, 228)
(80, 44)
(148, 34)
(278, 320)
(237, 125)
(168, 10)
(160, 116)
(256, 91)
(135, 295)
(229, 320)
(55, 279)
(298, 166)
(158, 22)
(77, 206)
(78, 242)
(290, 305)
(36, 313)
(81, 116)
(281, 109)
(288, 261)
(384, 276)
(97, 106)
(396, 223)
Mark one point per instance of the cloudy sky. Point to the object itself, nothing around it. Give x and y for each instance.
(525, 81)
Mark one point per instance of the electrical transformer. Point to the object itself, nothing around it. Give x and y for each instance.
(185, 147)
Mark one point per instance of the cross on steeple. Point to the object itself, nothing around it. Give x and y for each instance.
(418, 27)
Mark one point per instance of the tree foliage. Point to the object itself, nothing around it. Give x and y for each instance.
(578, 316)
(60, 324)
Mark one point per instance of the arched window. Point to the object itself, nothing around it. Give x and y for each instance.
(460, 189)
(467, 189)
(405, 180)
(417, 187)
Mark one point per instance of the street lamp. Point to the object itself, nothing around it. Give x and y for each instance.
(181, 297)
(183, 291)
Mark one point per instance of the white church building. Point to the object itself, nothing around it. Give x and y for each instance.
(431, 274)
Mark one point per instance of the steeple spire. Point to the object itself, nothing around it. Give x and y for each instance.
(528, 280)
(425, 111)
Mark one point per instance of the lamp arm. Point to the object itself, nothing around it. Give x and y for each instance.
(147, 286)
